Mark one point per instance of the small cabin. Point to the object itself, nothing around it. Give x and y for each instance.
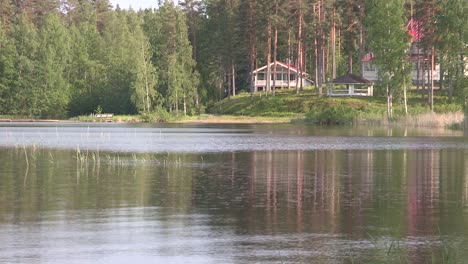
(286, 76)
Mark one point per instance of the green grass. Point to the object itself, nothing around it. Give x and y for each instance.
(287, 106)
(336, 110)
(115, 118)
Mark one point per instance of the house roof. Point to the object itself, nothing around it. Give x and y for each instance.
(369, 57)
(351, 79)
(278, 63)
(415, 30)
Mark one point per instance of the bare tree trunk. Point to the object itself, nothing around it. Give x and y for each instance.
(418, 70)
(321, 51)
(441, 76)
(450, 73)
(423, 78)
(333, 45)
(147, 102)
(233, 68)
(299, 46)
(389, 104)
(316, 51)
(229, 81)
(252, 47)
(185, 106)
(220, 88)
(450, 88)
(432, 78)
(362, 40)
(405, 100)
(268, 77)
(289, 59)
(177, 104)
(275, 47)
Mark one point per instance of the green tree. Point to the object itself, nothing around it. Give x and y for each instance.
(172, 54)
(52, 66)
(24, 92)
(7, 71)
(6, 13)
(451, 41)
(119, 60)
(144, 93)
(87, 71)
(385, 24)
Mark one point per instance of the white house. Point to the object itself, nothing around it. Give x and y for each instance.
(416, 55)
(418, 60)
(285, 74)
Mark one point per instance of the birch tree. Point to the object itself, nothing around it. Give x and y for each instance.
(385, 24)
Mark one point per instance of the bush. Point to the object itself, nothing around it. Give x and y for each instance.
(334, 114)
(158, 115)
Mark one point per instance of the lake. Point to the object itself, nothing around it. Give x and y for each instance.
(142, 193)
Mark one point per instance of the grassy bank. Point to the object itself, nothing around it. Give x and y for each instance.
(205, 118)
(287, 106)
(115, 118)
(341, 110)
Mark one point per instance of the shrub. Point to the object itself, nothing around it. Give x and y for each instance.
(334, 114)
(158, 115)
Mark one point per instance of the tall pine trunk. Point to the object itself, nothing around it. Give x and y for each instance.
(320, 43)
(389, 104)
(229, 82)
(431, 103)
(275, 47)
(253, 88)
(405, 99)
(333, 45)
(268, 77)
(233, 69)
(299, 47)
(289, 59)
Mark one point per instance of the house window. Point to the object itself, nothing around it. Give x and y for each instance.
(292, 77)
(279, 76)
(369, 66)
(261, 76)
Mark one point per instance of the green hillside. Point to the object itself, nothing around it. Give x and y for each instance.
(329, 110)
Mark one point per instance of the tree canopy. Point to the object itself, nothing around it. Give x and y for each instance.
(67, 58)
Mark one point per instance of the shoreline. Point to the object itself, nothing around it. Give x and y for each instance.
(422, 120)
(21, 120)
(207, 119)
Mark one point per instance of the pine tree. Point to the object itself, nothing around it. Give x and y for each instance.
(87, 72)
(119, 59)
(172, 54)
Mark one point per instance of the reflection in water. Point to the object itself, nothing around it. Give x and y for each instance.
(260, 206)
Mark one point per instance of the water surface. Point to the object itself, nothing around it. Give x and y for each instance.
(119, 193)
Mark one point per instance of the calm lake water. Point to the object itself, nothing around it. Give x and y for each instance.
(133, 193)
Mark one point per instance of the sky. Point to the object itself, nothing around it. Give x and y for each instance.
(135, 4)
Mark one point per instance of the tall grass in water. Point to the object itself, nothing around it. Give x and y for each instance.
(396, 250)
(432, 119)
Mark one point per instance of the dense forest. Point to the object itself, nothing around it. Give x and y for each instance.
(61, 58)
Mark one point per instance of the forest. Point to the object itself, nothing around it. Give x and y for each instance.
(63, 58)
